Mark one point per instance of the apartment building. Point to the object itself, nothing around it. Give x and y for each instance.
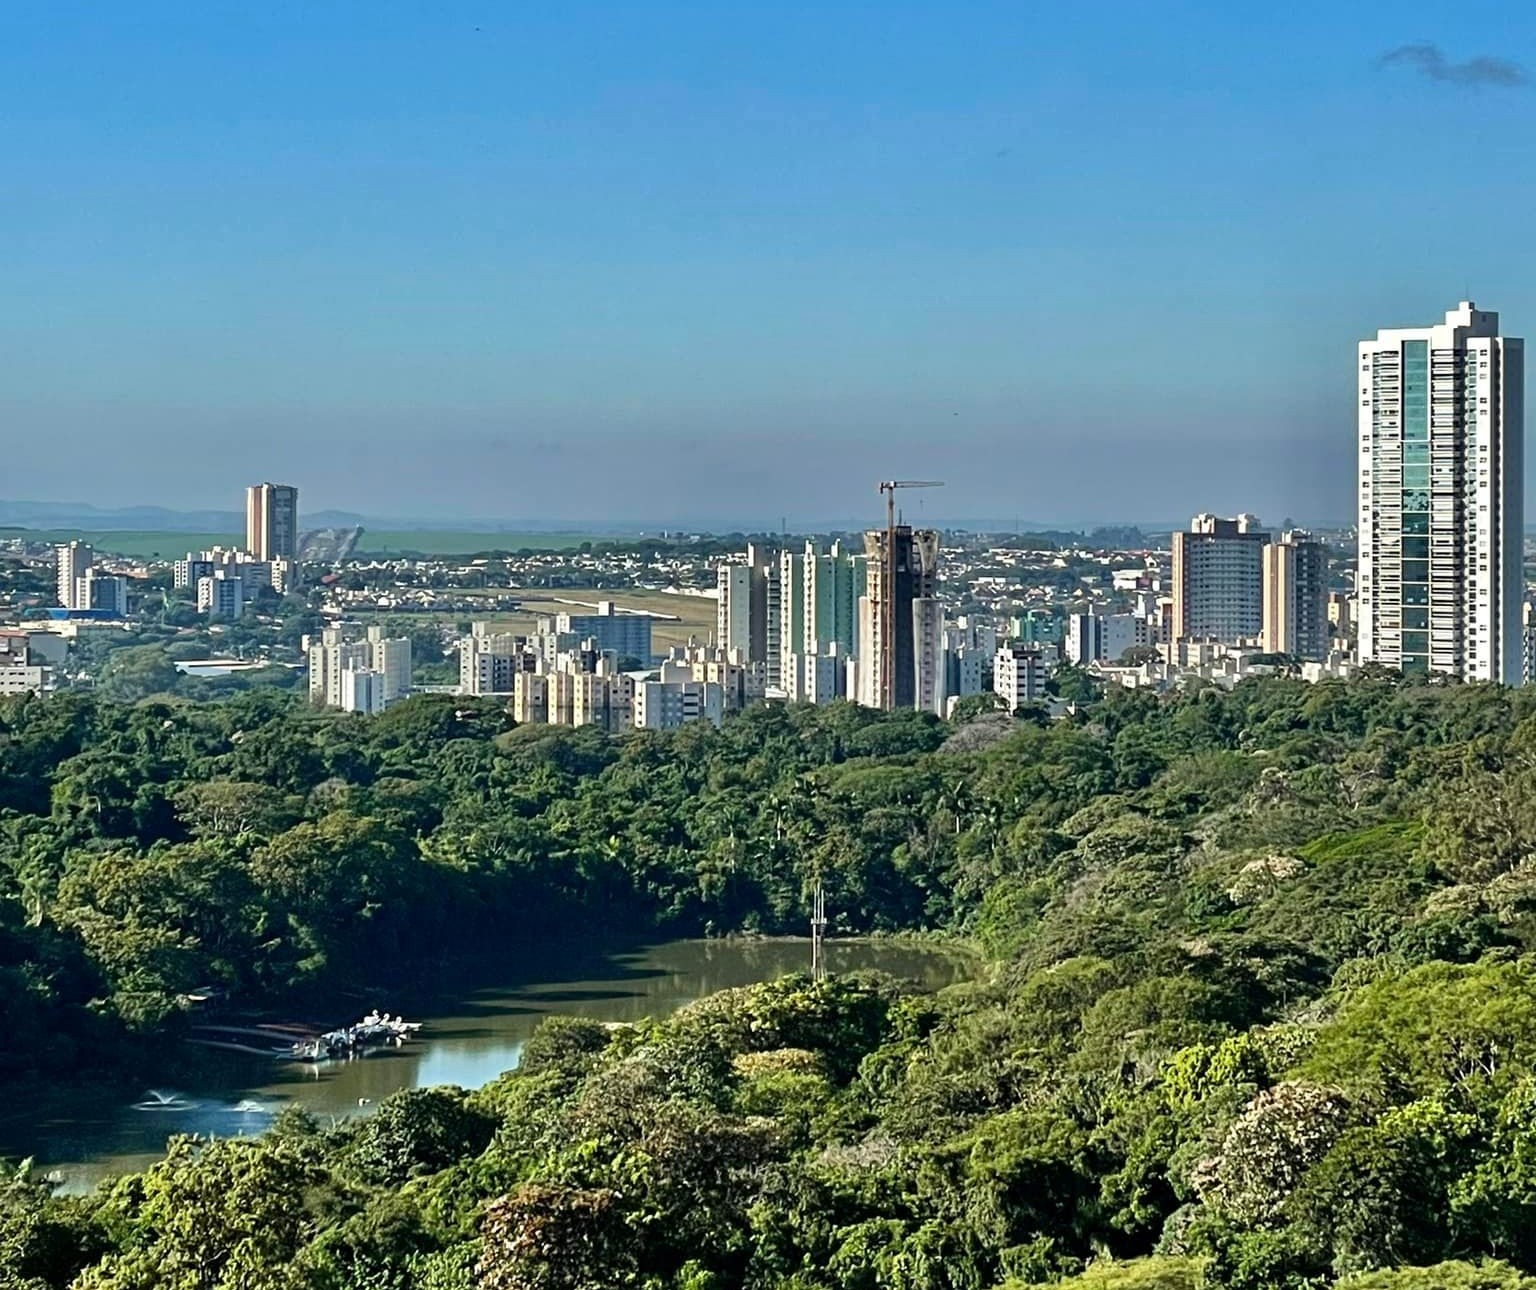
(1218, 580)
(221, 594)
(1296, 597)
(272, 521)
(1441, 440)
(901, 571)
(1018, 675)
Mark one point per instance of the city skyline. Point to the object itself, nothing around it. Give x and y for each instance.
(463, 256)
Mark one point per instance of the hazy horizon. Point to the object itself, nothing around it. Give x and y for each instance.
(734, 265)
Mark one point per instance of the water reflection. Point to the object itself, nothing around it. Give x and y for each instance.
(468, 1041)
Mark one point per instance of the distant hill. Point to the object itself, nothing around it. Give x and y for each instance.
(79, 515)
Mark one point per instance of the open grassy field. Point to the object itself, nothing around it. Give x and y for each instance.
(433, 542)
(173, 545)
(687, 615)
(148, 544)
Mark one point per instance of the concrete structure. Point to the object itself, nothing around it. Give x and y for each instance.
(627, 635)
(741, 682)
(1296, 597)
(1091, 638)
(339, 652)
(1441, 449)
(221, 594)
(742, 610)
(272, 521)
(964, 672)
(790, 619)
(930, 659)
(74, 559)
(488, 661)
(666, 705)
(817, 678)
(1528, 619)
(106, 593)
(1036, 627)
(22, 669)
(834, 581)
(1218, 580)
(391, 657)
(362, 690)
(280, 575)
(1018, 675)
(907, 573)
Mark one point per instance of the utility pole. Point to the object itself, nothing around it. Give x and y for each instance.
(888, 591)
(818, 934)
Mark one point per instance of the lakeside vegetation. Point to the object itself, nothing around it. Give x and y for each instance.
(1259, 1010)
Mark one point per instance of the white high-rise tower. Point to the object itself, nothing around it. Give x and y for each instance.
(1442, 430)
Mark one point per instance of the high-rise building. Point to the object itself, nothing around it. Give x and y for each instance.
(834, 581)
(74, 558)
(1442, 476)
(906, 571)
(272, 521)
(1218, 580)
(1296, 597)
(930, 690)
(791, 619)
(742, 610)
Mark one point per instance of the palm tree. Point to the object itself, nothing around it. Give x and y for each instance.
(955, 797)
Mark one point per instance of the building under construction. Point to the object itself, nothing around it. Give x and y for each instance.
(901, 622)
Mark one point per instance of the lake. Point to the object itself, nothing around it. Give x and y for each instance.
(467, 1039)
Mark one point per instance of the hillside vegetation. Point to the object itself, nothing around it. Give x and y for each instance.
(1258, 1009)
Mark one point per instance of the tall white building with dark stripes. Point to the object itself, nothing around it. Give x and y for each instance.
(1441, 443)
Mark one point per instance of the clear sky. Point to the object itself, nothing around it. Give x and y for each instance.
(718, 263)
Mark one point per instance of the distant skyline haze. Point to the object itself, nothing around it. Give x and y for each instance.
(714, 266)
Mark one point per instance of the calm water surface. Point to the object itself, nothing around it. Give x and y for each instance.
(467, 1040)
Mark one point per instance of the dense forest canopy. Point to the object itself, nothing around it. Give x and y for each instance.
(1258, 1006)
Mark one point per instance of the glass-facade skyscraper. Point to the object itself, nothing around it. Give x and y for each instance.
(1441, 498)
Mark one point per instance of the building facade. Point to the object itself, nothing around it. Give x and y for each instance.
(1441, 498)
(666, 705)
(272, 521)
(1018, 675)
(221, 594)
(1218, 580)
(627, 635)
(339, 653)
(74, 559)
(1296, 598)
(1102, 638)
(898, 574)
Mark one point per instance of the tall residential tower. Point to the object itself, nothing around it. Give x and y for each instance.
(272, 521)
(1441, 439)
(906, 572)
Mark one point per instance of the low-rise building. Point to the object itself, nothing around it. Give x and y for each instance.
(667, 705)
(22, 670)
(1018, 675)
(221, 595)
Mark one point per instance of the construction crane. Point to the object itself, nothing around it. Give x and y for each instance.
(888, 610)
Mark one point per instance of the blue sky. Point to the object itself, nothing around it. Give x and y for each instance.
(721, 263)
